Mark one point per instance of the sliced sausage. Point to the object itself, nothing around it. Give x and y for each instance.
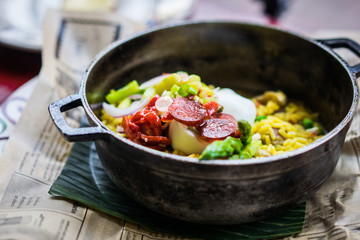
(187, 111)
(218, 127)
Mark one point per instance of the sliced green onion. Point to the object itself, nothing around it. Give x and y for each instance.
(116, 96)
(192, 91)
(174, 88)
(185, 90)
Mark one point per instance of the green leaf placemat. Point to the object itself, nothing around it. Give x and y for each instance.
(83, 179)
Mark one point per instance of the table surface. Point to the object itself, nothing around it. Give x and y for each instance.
(303, 16)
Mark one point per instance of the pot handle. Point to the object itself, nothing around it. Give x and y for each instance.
(73, 134)
(348, 44)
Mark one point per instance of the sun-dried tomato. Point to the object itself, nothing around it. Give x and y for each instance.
(151, 104)
(151, 124)
(131, 130)
(145, 127)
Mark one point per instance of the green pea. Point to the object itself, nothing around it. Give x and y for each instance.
(307, 123)
(259, 118)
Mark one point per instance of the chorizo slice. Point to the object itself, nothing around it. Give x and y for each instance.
(187, 111)
(219, 127)
(224, 116)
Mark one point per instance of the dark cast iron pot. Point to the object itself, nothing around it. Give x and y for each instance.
(240, 56)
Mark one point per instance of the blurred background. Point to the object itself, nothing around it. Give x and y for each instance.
(21, 22)
(304, 16)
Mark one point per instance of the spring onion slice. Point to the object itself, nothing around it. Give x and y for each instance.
(120, 112)
(163, 103)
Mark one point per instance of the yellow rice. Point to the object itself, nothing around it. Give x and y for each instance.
(291, 134)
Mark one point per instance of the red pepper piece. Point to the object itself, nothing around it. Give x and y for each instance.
(154, 140)
(167, 117)
(211, 107)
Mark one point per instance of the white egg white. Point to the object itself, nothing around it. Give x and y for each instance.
(185, 140)
(239, 107)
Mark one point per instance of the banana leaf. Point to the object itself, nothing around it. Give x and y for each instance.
(84, 180)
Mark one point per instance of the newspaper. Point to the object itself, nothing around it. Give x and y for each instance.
(36, 153)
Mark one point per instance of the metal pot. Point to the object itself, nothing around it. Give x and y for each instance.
(245, 57)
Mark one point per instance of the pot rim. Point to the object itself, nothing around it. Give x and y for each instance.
(264, 160)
